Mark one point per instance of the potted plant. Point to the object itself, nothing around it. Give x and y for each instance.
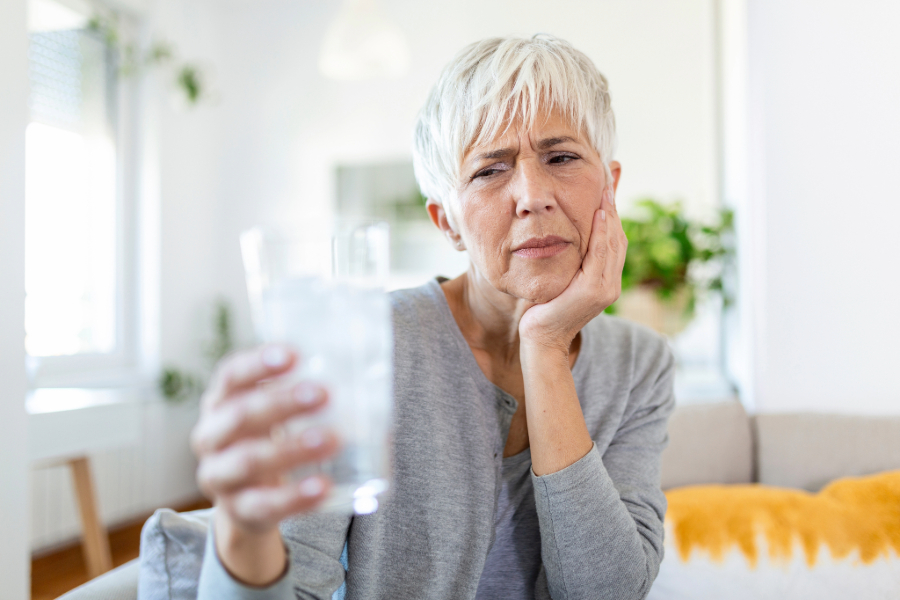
(176, 384)
(671, 261)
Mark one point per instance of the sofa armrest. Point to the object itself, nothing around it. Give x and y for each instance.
(119, 584)
(708, 443)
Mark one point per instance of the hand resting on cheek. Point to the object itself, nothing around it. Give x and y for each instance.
(595, 286)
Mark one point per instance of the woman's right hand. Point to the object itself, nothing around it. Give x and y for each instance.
(242, 464)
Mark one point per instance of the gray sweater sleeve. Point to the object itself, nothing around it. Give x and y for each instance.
(314, 544)
(601, 518)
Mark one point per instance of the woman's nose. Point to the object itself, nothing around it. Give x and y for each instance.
(533, 191)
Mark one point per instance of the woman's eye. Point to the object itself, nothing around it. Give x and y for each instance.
(561, 159)
(487, 172)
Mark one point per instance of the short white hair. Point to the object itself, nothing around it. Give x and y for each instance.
(493, 82)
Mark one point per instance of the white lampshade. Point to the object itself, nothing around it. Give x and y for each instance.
(362, 44)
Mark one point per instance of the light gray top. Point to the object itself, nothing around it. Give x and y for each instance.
(599, 520)
(514, 560)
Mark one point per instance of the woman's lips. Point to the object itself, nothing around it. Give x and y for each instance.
(541, 247)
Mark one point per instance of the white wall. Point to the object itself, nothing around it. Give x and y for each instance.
(824, 97)
(287, 126)
(14, 509)
(179, 215)
(189, 213)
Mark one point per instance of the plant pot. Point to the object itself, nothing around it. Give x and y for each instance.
(642, 305)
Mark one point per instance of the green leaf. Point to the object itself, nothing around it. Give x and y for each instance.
(189, 81)
(664, 247)
(178, 386)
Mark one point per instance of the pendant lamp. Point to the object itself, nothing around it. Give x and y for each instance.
(361, 43)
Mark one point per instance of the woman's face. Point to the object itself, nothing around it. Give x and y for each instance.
(525, 204)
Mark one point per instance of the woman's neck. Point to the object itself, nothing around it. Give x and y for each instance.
(488, 318)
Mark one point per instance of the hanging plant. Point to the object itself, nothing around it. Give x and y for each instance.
(188, 78)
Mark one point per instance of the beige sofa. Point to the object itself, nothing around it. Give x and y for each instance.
(713, 442)
(719, 443)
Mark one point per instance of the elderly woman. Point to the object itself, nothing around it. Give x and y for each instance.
(528, 426)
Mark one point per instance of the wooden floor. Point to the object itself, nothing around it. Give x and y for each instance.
(56, 573)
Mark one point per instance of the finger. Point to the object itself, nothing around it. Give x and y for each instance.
(246, 369)
(618, 244)
(616, 231)
(598, 244)
(254, 414)
(273, 504)
(623, 250)
(253, 462)
(610, 197)
(612, 269)
(610, 285)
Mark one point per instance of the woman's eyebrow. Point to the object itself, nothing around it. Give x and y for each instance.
(541, 145)
(554, 141)
(498, 153)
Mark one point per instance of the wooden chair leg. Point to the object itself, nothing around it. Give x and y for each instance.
(95, 544)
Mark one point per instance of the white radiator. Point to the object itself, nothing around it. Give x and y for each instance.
(130, 481)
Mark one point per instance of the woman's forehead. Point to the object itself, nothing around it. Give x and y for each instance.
(548, 129)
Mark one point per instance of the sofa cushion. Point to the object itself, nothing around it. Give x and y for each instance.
(808, 450)
(172, 548)
(745, 542)
(119, 584)
(708, 443)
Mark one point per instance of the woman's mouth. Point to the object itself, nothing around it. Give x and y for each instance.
(541, 247)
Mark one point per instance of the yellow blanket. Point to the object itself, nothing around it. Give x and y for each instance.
(858, 513)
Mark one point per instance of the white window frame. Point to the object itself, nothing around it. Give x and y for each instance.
(120, 367)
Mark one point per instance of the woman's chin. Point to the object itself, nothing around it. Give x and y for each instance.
(542, 288)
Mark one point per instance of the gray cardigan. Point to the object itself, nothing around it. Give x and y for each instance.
(601, 519)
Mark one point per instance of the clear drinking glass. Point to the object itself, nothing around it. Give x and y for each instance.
(328, 301)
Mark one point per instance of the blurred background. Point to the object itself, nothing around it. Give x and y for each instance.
(138, 138)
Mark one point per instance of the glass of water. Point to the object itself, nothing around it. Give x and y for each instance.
(327, 299)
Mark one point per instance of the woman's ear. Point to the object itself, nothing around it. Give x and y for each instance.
(615, 168)
(439, 218)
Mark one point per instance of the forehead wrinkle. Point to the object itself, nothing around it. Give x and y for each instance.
(517, 124)
(505, 151)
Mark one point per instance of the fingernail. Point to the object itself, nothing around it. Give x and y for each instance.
(307, 395)
(311, 487)
(274, 357)
(312, 438)
(602, 215)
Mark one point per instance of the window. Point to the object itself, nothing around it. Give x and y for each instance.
(388, 191)
(77, 242)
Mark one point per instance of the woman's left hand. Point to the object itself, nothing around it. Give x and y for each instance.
(596, 285)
